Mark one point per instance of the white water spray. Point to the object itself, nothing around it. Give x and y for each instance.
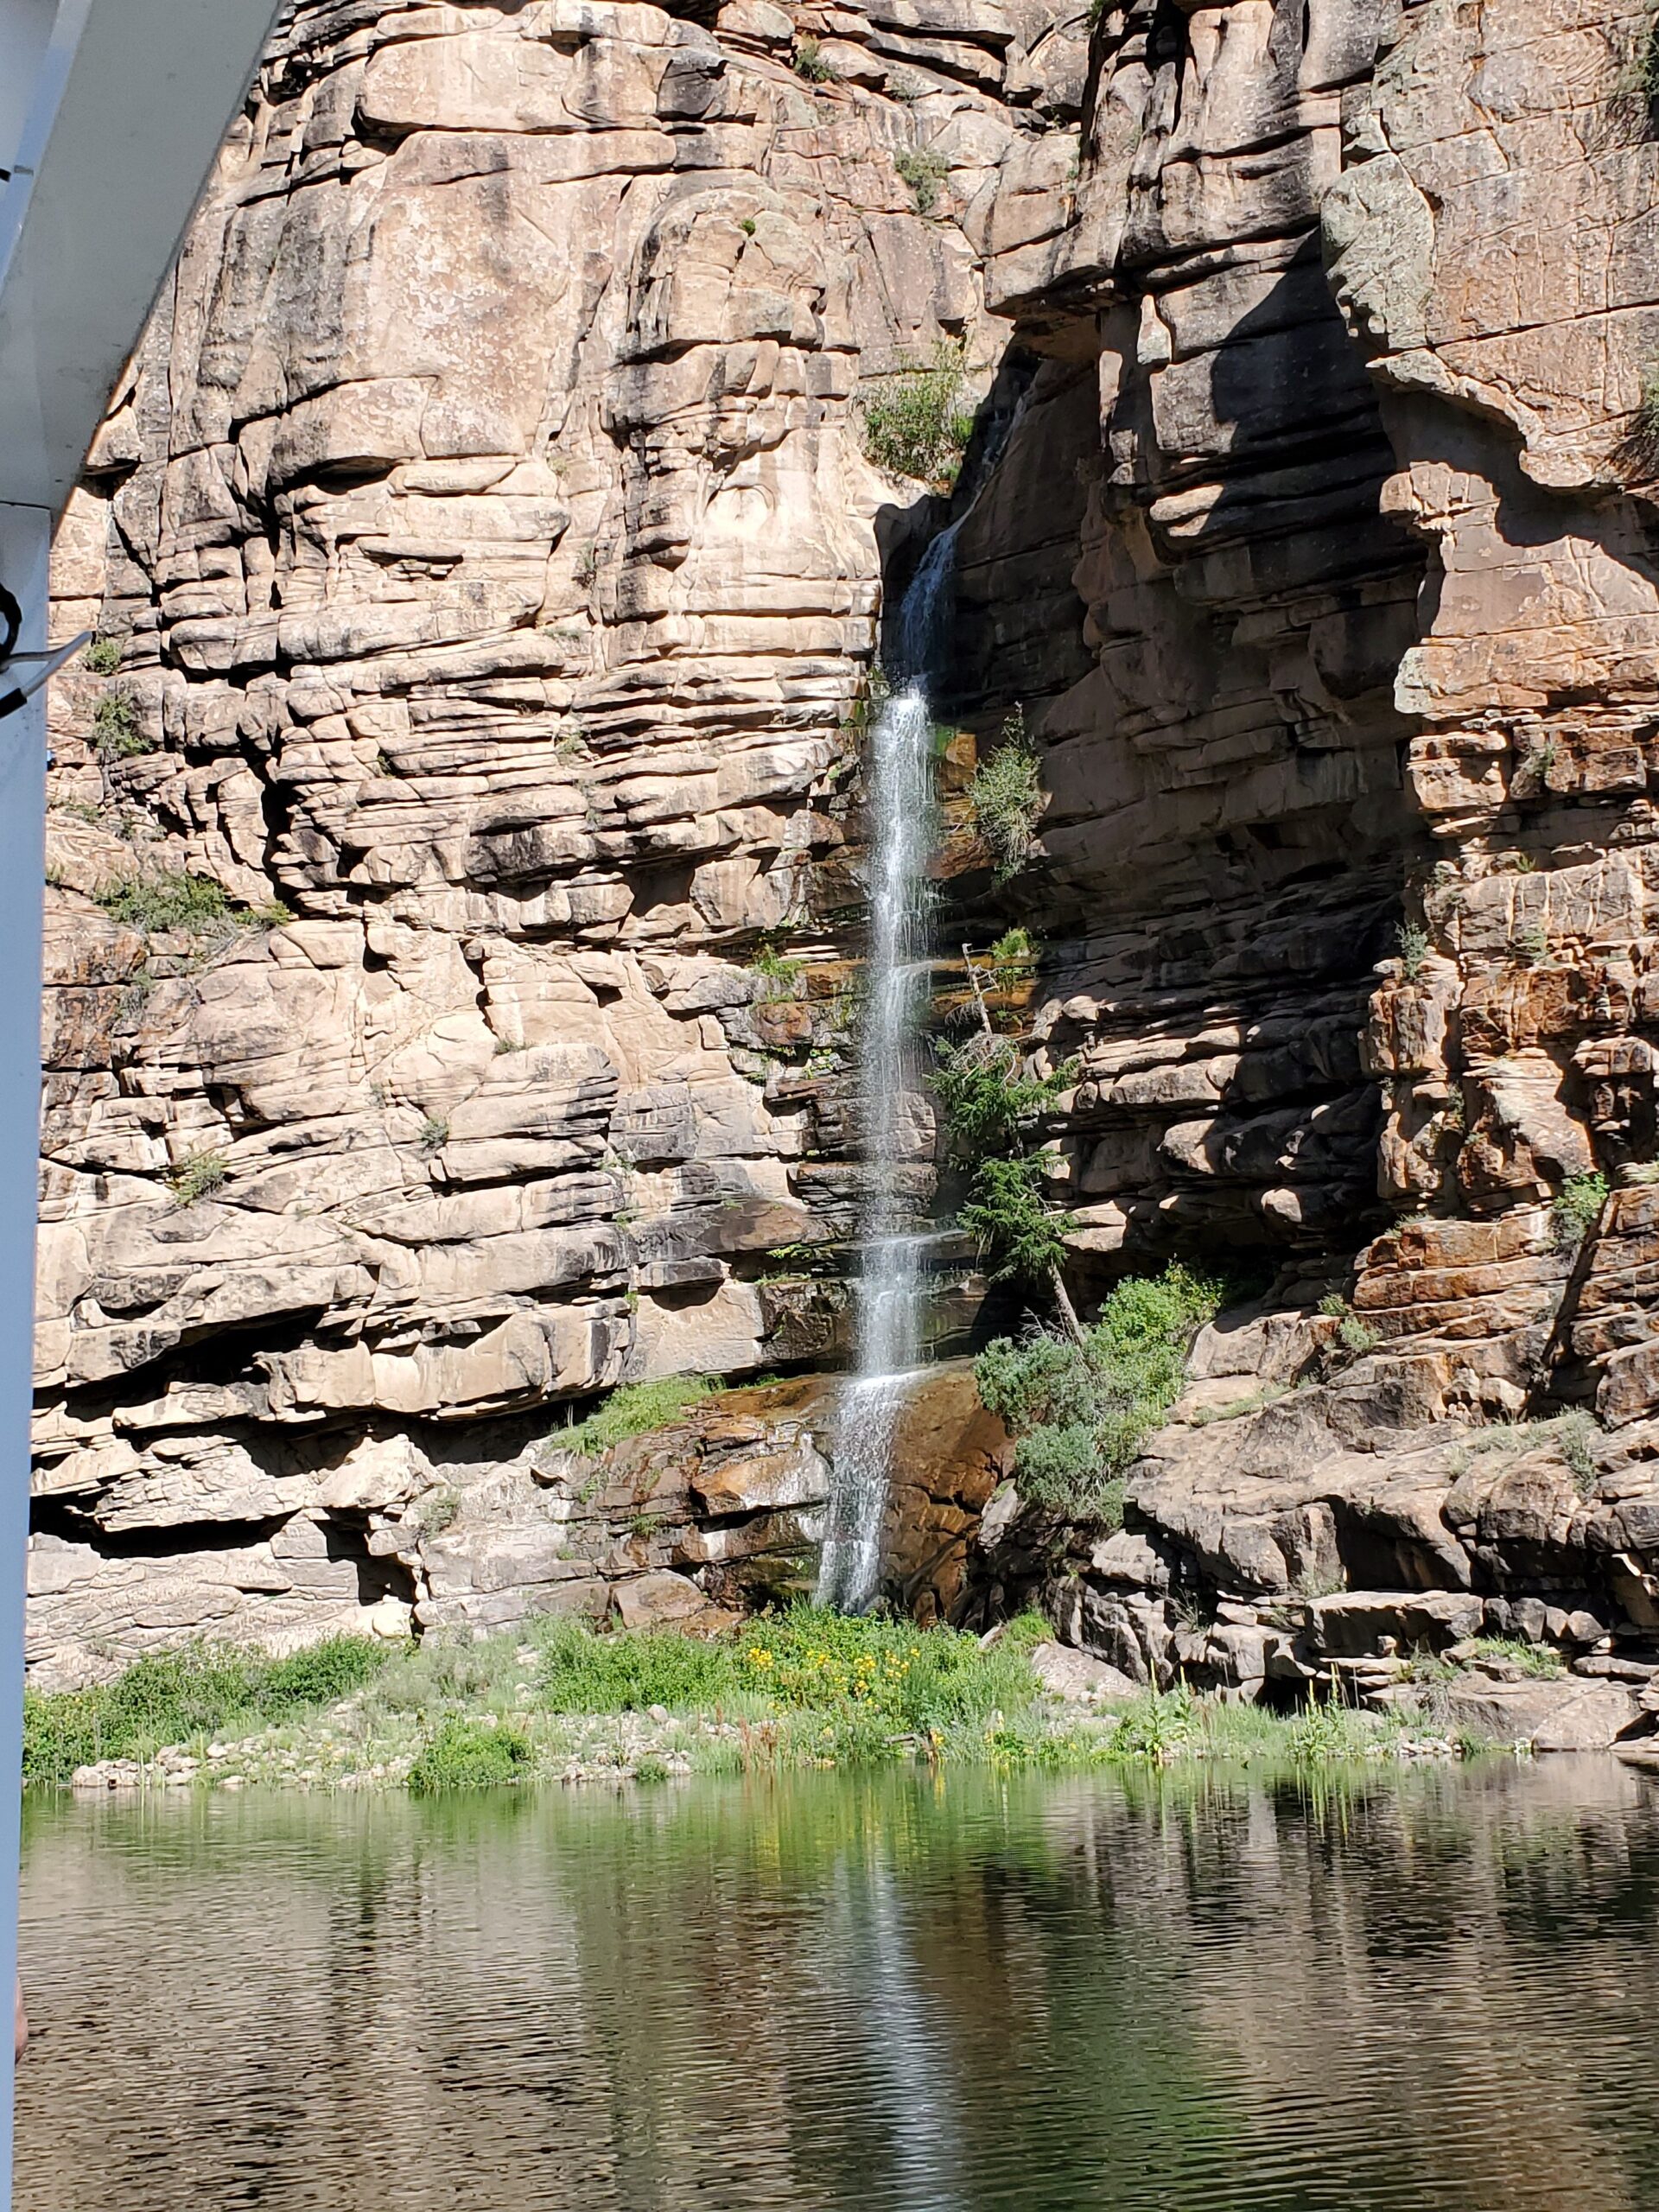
(896, 1144)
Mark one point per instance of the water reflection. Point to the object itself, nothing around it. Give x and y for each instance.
(1437, 1990)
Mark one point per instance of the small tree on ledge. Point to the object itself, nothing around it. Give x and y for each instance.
(1018, 1232)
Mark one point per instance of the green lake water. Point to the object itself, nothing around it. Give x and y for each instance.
(1435, 1991)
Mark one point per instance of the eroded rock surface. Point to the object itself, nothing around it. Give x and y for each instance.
(489, 529)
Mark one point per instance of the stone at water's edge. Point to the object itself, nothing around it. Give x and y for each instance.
(949, 1455)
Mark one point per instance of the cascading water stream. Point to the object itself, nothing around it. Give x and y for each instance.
(887, 1316)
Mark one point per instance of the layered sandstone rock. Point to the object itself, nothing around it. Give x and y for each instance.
(488, 525)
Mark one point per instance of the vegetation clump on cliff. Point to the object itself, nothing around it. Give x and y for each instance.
(991, 1106)
(916, 425)
(1578, 1210)
(988, 1099)
(167, 899)
(1006, 799)
(635, 1410)
(1080, 1412)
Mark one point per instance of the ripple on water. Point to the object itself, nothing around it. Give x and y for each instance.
(1431, 1993)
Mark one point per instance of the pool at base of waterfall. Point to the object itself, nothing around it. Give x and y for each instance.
(1426, 1991)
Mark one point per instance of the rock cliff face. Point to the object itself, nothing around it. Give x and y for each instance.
(488, 529)
(489, 532)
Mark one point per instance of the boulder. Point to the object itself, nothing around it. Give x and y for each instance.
(1075, 1676)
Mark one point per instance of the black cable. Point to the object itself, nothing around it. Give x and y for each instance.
(12, 616)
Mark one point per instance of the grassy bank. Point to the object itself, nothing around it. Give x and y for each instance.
(555, 1701)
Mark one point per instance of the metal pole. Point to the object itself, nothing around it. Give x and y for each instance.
(25, 542)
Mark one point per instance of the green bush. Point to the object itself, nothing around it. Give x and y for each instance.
(986, 1101)
(116, 733)
(1019, 1234)
(1079, 1414)
(321, 1673)
(1577, 1210)
(808, 62)
(1414, 945)
(915, 425)
(923, 173)
(197, 1177)
(635, 1410)
(202, 1690)
(1016, 949)
(167, 900)
(1005, 798)
(1063, 1470)
(104, 656)
(781, 976)
(470, 1755)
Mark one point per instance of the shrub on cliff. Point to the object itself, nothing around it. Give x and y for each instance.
(915, 425)
(166, 900)
(116, 732)
(987, 1100)
(1079, 1413)
(1006, 799)
(923, 172)
(1019, 1234)
(1578, 1210)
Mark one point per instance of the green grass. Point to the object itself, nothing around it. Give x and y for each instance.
(581, 1672)
(808, 62)
(635, 1410)
(1353, 1334)
(202, 1690)
(553, 1698)
(1329, 1731)
(1540, 1661)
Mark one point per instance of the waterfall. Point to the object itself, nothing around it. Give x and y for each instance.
(887, 1308)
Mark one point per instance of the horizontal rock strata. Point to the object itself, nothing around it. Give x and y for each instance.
(490, 533)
